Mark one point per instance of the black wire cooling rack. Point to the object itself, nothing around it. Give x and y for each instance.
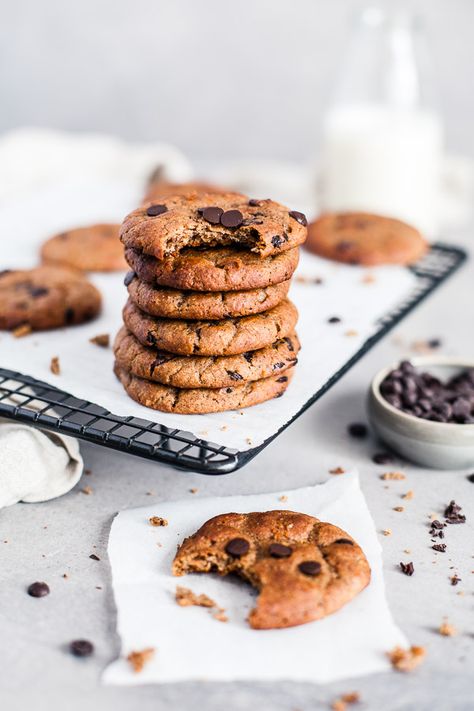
(28, 400)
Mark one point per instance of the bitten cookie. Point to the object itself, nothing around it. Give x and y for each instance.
(202, 371)
(96, 248)
(303, 568)
(164, 229)
(174, 303)
(361, 238)
(199, 401)
(159, 190)
(226, 269)
(227, 337)
(46, 297)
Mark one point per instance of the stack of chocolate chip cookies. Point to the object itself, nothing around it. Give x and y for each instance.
(208, 326)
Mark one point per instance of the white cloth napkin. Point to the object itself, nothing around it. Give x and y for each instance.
(190, 644)
(36, 465)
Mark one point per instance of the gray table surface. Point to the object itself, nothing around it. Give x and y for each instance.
(43, 541)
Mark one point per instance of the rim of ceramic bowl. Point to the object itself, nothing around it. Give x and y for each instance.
(420, 361)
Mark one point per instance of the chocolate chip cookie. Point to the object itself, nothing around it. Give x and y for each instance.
(196, 401)
(226, 269)
(202, 371)
(303, 568)
(361, 238)
(158, 190)
(96, 248)
(174, 303)
(164, 229)
(227, 337)
(46, 297)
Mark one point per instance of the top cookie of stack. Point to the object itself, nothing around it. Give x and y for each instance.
(207, 297)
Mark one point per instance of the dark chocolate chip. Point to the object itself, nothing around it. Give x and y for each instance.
(234, 375)
(347, 541)
(344, 246)
(283, 379)
(277, 366)
(129, 277)
(299, 217)
(150, 338)
(407, 568)
(310, 567)
(94, 556)
(382, 458)
(254, 203)
(232, 218)
(228, 390)
(334, 319)
(248, 356)
(159, 360)
(358, 430)
(470, 478)
(453, 513)
(69, 315)
(440, 547)
(38, 589)
(212, 214)
(155, 210)
(455, 579)
(277, 241)
(237, 547)
(278, 550)
(81, 648)
(434, 343)
(37, 291)
(289, 343)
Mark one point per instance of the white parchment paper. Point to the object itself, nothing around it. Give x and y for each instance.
(190, 644)
(86, 370)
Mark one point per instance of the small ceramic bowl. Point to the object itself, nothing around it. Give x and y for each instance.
(436, 445)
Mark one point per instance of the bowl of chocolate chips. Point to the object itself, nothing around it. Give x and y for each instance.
(424, 410)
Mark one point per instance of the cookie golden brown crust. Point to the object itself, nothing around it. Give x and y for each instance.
(198, 220)
(215, 270)
(303, 568)
(227, 337)
(175, 303)
(46, 297)
(199, 401)
(96, 248)
(204, 371)
(362, 238)
(160, 190)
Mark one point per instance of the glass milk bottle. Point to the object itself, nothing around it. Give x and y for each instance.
(382, 134)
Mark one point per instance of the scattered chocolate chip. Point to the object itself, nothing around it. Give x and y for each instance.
(455, 579)
(129, 277)
(358, 430)
(341, 541)
(212, 214)
(440, 547)
(234, 375)
(93, 556)
(155, 210)
(470, 478)
(310, 567)
(237, 547)
(38, 589)
(299, 217)
(277, 241)
(452, 513)
(278, 550)
(407, 568)
(231, 218)
(437, 524)
(434, 343)
(334, 319)
(81, 648)
(382, 458)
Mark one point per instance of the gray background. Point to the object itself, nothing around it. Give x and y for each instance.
(219, 79)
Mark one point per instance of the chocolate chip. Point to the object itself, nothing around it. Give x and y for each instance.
(407, 568)
(234, 375)
(254, 203)
(94, 556)
(310, 567)
(129, 277)
(382, 458)
(289, 343)
(440, 547)
(455, 579)
(277, 241)
(232, 218)
(278, 550)
(434, 343)
(452, 513)
(277, 366)
(470, 478)
(248, 356)
(228, 390)
(81, 648)
(69, 315)
(358, 430)
(212, 214)
(237, 547)
(155, 210)
(150, 338)
(159, 360)
(334, 319)
(344, 540)
(283, 379)
(344, 246)
(37, 291)
(299, 217)
(38, 589)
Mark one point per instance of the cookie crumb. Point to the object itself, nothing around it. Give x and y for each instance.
(337, 470)
(386, 532)
(368, 279)
(223, 428)
(86, 490)
(137, 660)
(102, 340)
(408, 495)
(157, 521)
(54, 366)
(248, 440)
(220, 615)
(23, 330)
(193, 490)
(393, 476)
(447, 630)
(351, 332)
(399, 508)
(345, 700)
(283, 497)
(455, 579)
(407, 551)
(186, 597)
(405, 660)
